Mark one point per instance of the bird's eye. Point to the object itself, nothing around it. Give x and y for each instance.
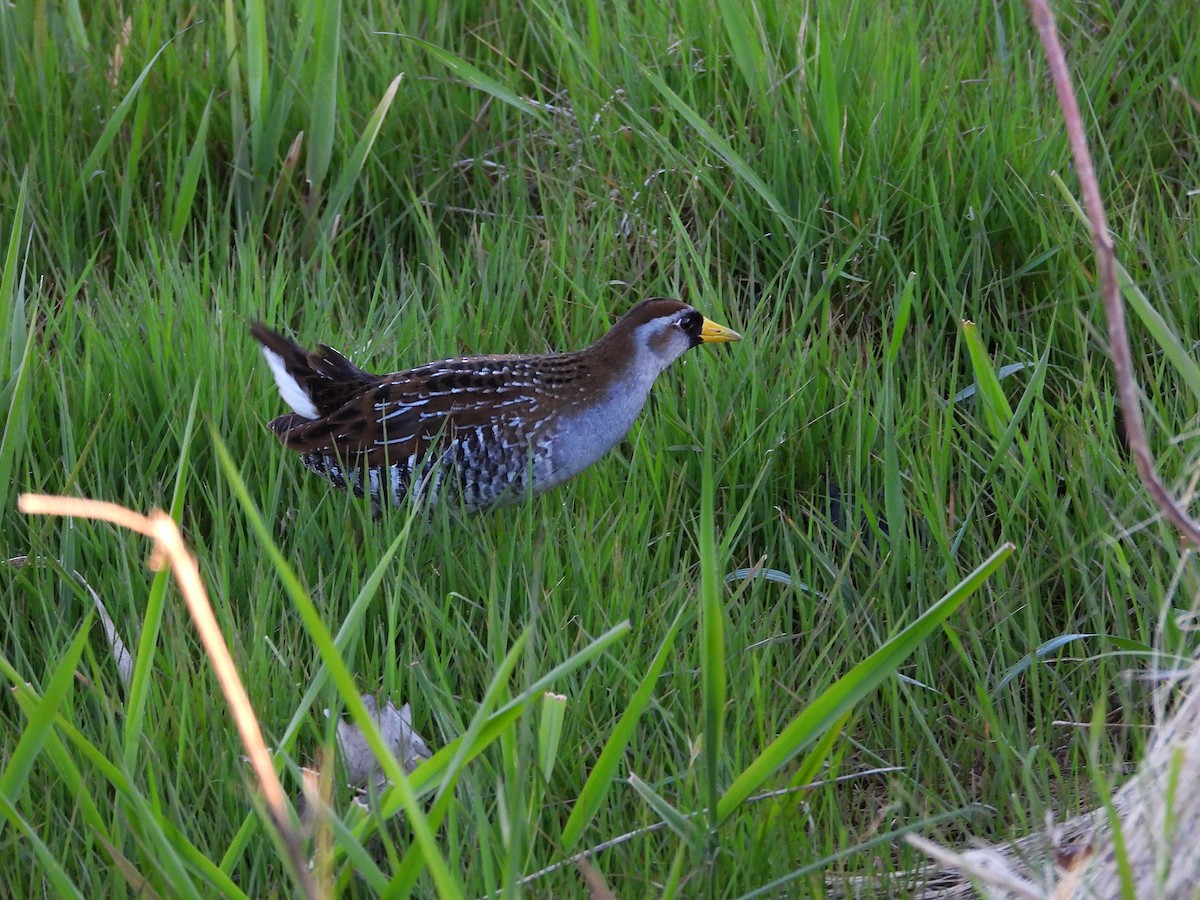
(689, 322)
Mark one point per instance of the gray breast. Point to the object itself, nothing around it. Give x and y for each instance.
(588, 433)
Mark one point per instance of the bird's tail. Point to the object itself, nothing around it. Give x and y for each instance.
(313, 384)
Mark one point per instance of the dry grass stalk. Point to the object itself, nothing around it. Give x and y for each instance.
(1114, 308)
(1146, 841)
(169, 548)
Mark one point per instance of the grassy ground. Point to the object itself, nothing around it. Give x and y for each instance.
(844, 183)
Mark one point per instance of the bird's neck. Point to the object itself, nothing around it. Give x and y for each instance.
(619, 360)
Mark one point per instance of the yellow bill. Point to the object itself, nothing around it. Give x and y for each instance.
(712, 333)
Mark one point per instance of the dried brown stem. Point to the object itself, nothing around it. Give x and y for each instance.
(168, 543)
(1114, 309)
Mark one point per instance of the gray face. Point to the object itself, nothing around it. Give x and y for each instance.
(667, 338)
(656, 343)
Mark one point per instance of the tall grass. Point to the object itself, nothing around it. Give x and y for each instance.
(843, 183)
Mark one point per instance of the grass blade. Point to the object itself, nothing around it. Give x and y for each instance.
(258, 85)
(1164, 335)
(190, 177)
(675, 820)
(893, 481)
(447, 883)
(41, 720)
(712, 658)
(747, 49)
(832, 115)
(15, 437)
(15, 335)
(475, 77)
(601, 778)
(996, 409)
(323, 116)
(550, 725)
(354, 165)
(75, 27)
(904, 307)
(725, 150)
(840, 697)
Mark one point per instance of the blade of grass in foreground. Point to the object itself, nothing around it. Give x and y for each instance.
(33, 737)
(448, 885)
(596, 788)
(852, 687)
(712, 658)
(16, 349)
(57, 875)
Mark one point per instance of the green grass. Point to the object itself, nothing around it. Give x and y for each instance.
(842, 183)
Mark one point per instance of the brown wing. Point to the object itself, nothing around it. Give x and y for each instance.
(399, 417)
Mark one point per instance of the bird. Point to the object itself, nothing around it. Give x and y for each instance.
(479, 432)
